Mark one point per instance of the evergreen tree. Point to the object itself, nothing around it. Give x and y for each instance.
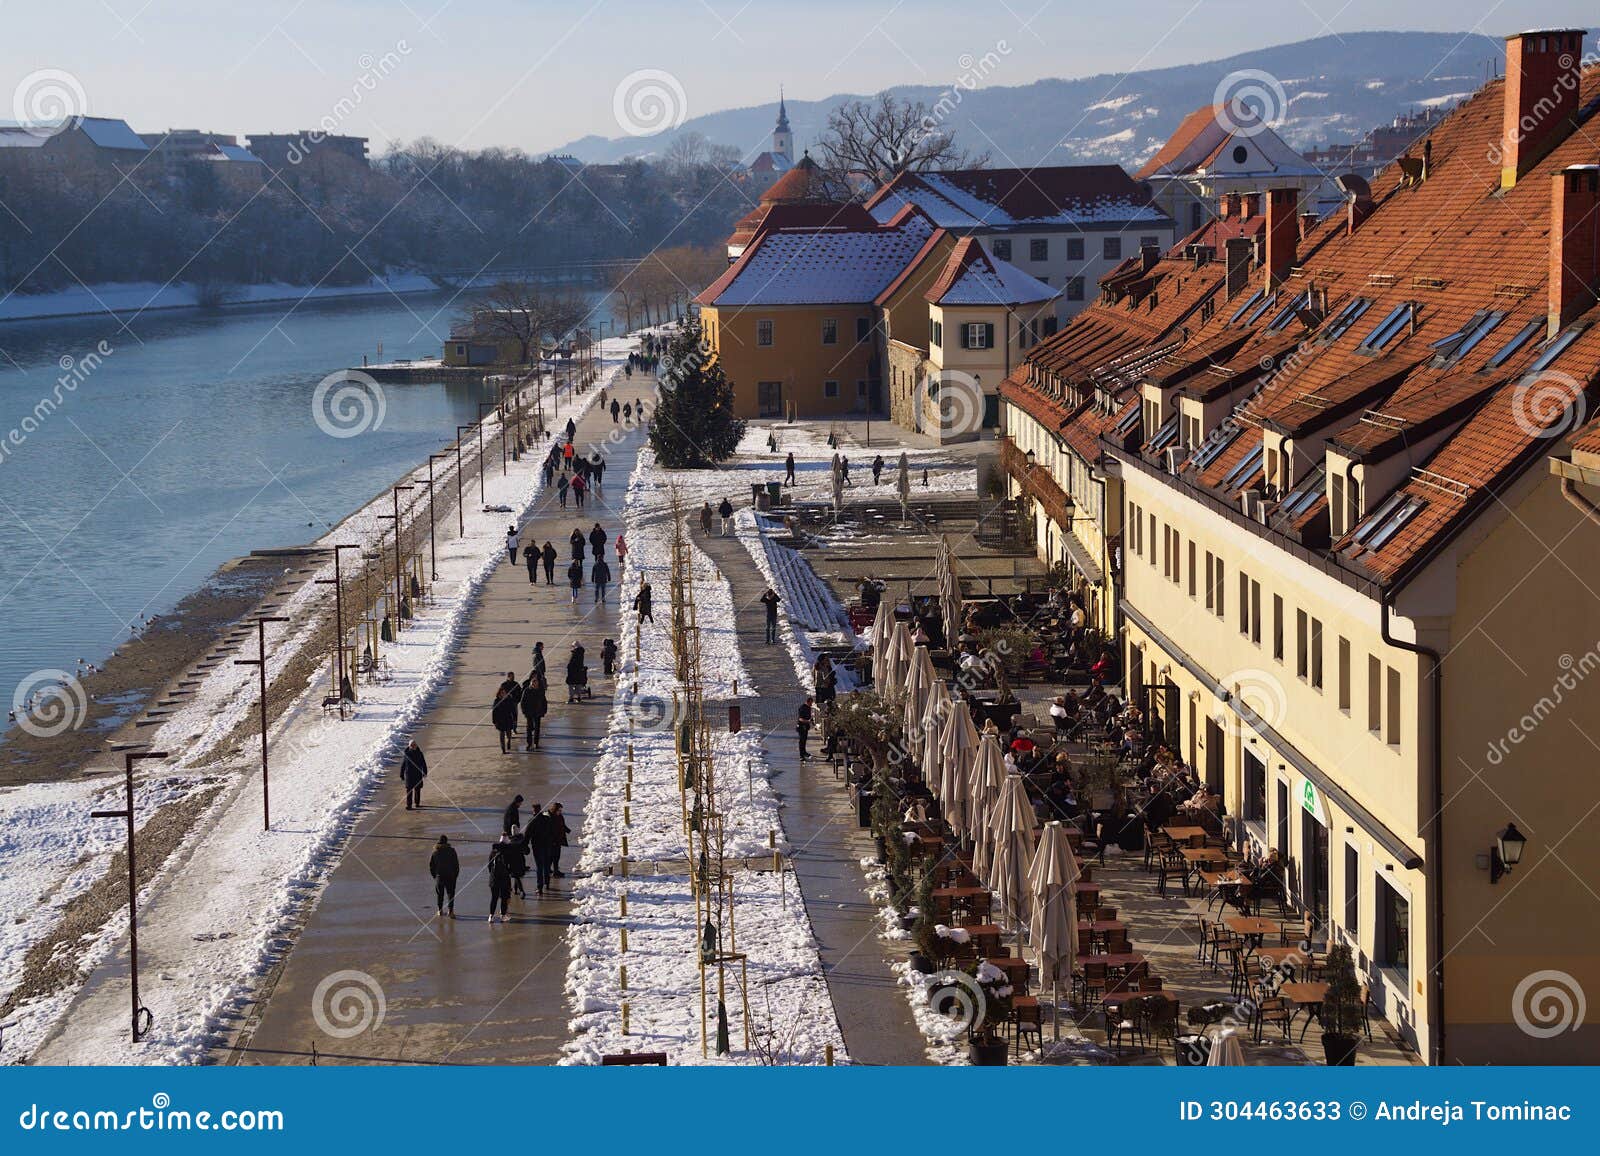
(693, 426)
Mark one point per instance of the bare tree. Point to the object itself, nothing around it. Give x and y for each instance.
(527, 313)
(688, 150)
(882, 138)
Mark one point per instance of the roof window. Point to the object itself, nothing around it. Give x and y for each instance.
(1345, 318)
(1518, 339)
(1375, 532)
(1462, 342)
(1384, 332)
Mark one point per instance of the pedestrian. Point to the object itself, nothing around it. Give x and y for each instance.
(504, 713)
(499, 878)
(788, 469)
(725, 511)
(597, 541)
(579, 487)
(601, 576)
(511, 544)
(566, 456)
(561, 833)
(622, 549)
(802, 726)
(608, 656)
(627, 413)
(535, 705)
(616, 408)
(577, 542)
(549, 470)
(543, 838)
(877, 468)
(770, 601)
(538, 660)
(575, 578)
(530, 558)
(641, 603)
(572, 431)
(516, 854)
(413, 769)
(562, 485)
(844, 469)
(549, 555)
(705, 518)
(445, 867)
(577, 672)
(511, 818)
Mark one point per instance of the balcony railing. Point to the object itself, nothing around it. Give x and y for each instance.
(1037, 483)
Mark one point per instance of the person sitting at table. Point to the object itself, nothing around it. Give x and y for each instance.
(1010, 761)
(1063, 715)
(871, 591)
(1101, 670)
(1021, 744)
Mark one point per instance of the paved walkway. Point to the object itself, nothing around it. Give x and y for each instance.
(820, 822)
(462, 990)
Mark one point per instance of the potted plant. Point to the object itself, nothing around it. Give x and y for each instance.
(986, 1047)
(1342, 1009)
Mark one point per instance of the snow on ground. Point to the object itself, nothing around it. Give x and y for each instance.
(932, 470)
(143, 296)
(791, 1014)
(212, 920)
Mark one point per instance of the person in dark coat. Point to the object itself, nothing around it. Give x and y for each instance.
(512, 819)
(788, 470)
(561, 490)
(802, 726)
(549, 555)
(616, 408)
(575, 578)
(544, 840)
(877, 468)
(579, 488)
(577, 544)
(499, 878)
(504, 712)
(562, 831)
(608, 656)
(535, 705)
(538, 662)
(641, 603)
(516, 854)
(770, 601)
(445, 867)
(530, 558)
(413, 769)
(601, 577)
(576, 671)
(572, 429)
(597, 541)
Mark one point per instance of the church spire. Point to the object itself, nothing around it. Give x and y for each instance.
(782, 138)
(783, 113)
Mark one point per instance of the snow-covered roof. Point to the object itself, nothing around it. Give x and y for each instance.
(17, 137)
(974, 277)
(111, 134)
(820, 266)
(1048, 196)
(237, 153)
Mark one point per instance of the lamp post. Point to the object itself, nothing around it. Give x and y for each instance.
(337, 582)
(461, 508)
(260, 663)
(433, 549)
(483, 406)
(399, 589)
(141, 1017)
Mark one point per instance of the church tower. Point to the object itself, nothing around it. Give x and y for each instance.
(782, 138)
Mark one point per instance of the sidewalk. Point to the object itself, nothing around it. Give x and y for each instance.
(459, 991)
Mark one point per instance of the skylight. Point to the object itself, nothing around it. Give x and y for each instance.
(1283, 318)
(1386, 329)
(1245, 468)
(1462, 342)
(1260, 309)
(1254, 298)
(1129, 420)
(1165, 435)
(1554, 349)
(1345, 318)
(1518, 339)
(1224, 437)
(1386, 522)
(1305, 495)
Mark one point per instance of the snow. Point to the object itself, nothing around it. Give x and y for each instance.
(1113, 104)
(209, 942)
(142, 296)
(1440, 101)
(811, 266)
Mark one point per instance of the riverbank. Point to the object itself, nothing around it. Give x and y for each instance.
(124, 297)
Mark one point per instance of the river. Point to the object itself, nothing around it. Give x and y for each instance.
(192, 441)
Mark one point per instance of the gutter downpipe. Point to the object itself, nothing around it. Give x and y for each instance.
(1435, 872)
(1569, 491)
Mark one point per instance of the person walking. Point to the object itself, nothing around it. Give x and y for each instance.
(622, 549)
(802, 727)
(530, 558)
(608, 656)
(445, 867)
(562, 486)
(705, 518)
(788, 469)
(770, 601)
(844, 470)
(577, 672)
(413, 769)
(535, 705)
(577, 544)
(549, 556)
(616, 408)
(516, 854)
(572, 430)
(543, 839)
(561, 832)
(511, 543)
(641, 603)
(575, 578)
(597, 541)
(511, 817)
(499, 878)
(877, 468)
(602, 580)
(504, 712)
(725, 512)
(579, 487)
(538, 660)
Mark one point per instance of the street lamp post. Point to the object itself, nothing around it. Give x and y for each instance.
(461, 506)
(141, 1017)
(482, 407)
(433, 549)
(337, 582)
(260, 663)
(399, 589)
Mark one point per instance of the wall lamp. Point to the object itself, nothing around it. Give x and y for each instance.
(1506, 853)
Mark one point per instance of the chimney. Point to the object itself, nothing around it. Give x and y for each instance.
(1238, 275)
(1574, 243)
(1308, 221)
(1283, 234)
(1252, 204)
(1541, 97)
(1230, 205)
(1148, 256)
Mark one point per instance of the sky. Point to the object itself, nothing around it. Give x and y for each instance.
(534, 74)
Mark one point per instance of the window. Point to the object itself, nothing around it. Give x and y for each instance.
(830, 332)
(1253, 299)
(1260, 309)
(1344, 674)
(1387, 520)
(1240, 154)
(1518, 340)
(1074, 288)
(1255, 789)
(1345, 318)
(1554, 350)
(1287, 313)
(1222, 592)
(1211, 580)
(1001, 248)
(1384, 332)
(1282, 824)
(861, 389)
(936, 332)
(461, 350)
(1050, 326)
(1039, 249)
(1302, 648)
(1244, 603)
(1374, 694)
(1316, 654)
(1074, 248)
(763, 333)
(1462, 342)
(769, 398)
(830, 389)
(1352, 891)
(1111, 248)
(1277, 627)
(1152, 541)
(977, 335)
(1336, 505)
(1192, 580)
(1392, 930)
(863, 328)
(1255, 613)
(1392, 693)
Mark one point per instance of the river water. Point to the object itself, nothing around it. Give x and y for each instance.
(192, 441)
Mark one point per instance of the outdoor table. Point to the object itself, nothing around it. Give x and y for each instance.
(1120, 962)
(1016, 969)
(1200, 855)
(1114, 1000)
(985, 938)
(946, 899)
(1183, 834)
(1291, 957)
(1306, 995)
(1220, 883)
(1251, 927)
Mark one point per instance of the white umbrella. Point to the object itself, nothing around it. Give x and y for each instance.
(1011, 827)
(904, 484)
(1226, 1051)
(1053, 919)
(898, 662)
(919, 681)
(958, 741)
(882, 624)
(983, 792)
(932, 724)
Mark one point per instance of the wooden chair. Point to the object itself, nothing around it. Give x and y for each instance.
(1129, 1022)
(1117, 943)
(1027, 1019)
(1366, 1010)
(1092, 984)
(1274, 1009)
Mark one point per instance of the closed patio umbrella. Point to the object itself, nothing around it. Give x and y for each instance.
(1226, 1051)
(1053, 918)
(882, 624)
(958, 743)
(919, 682)
(983, 793)
(898, 662)
(1011, 827)
(904, 484)
(932, 725)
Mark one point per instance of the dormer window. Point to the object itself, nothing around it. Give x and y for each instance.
(1462, 342)
(1385, 331)
(1219, 441)
(1518, 339)
(1244, 470)
(1166, 434)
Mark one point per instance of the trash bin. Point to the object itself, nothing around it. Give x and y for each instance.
(775, 493)
(763, 501)
(757, 491)
(864, 808)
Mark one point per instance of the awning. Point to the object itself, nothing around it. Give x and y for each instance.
(1082, 560)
